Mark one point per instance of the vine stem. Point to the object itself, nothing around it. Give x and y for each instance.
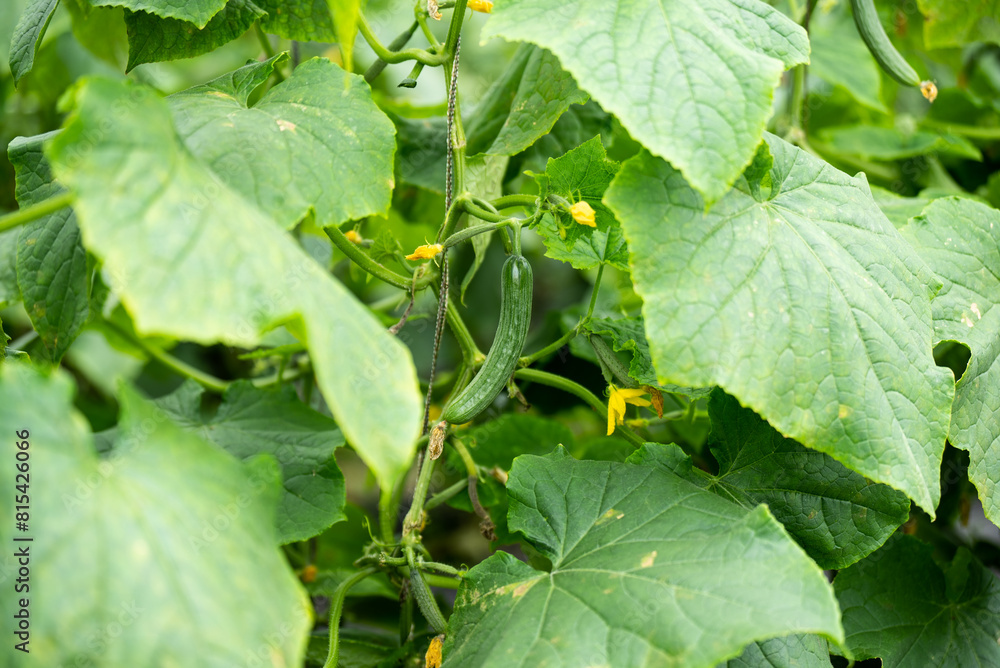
(35, 211)
(379, 65)
(413, 515)
(593, 294)
(389, 56)
(337, 609)
(376, 269)
(528, 360)
(567, 385)
(510, 201)
(265, 44)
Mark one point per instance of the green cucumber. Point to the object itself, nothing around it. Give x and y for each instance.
(515, 315)
(425, 601)
(872, 32)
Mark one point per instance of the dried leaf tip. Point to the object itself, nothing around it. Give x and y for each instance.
(435, 653)
(929, 90)
(435, 444)
(484, 6)
(425, 252)
(583, 213)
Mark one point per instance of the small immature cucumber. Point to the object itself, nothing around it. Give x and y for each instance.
(425, 601)
(872, 32)
(515, 315)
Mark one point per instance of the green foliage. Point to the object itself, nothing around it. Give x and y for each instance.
(804, 299)
(762, 339)
(177, 533)
(623, 589)
(901, 606)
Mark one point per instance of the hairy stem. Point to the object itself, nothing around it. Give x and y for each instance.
(379, 65)
(391, 56)
(337, 609)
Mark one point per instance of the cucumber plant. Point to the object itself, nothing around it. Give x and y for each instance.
(746, 315)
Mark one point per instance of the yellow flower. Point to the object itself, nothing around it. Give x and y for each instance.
(425, 252)
(616, 405)
(928, 90)
(583, 213)
(433, 657)
(484, 6)
(353, 237)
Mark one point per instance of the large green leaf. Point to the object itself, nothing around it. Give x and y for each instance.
(582, 175)
(307, 144)
(797, 296)
(198, 12)
(960, 240)
(692, 80)
(153, 39)
(192, 259)
(304, 20)
(523, 104)
(901, 606)
(252, 421)
(836, 515)
(647, 570)
(955, 24)
(799, 651)
(161, 552)
(51, 262)
(28, 34)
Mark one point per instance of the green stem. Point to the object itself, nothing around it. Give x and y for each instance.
(35, 211)
(336, 610)
(287, 375)
(528, 360)
(566, 385)
(379, 65)
(475, 230)
(376, 269)
(446, 494)
(593, 295)
(389, 56)
(206, 380)
(413, 515)
(972, 131)
(442, 581)
(466, 457)
(455, 29)
(510, 201)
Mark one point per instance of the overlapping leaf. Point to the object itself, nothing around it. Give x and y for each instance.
(250, 422)
(960, 240)
(51, 262)
(582, 175)
(836, 515)
(307, 144)
(797, 296)
(647, 570)
(304, 20)
(193, 260)
(152, 39)
(880, 143)
(902, 607)
(692, 80)
(198, 12)
(799, 651)
(28, 34)
(162, 551)
(523, 104)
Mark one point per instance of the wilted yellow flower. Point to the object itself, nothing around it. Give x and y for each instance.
(432, 10)
(353, 237)
(425, 252)
(484, 6)
(929, 90)
(308, 573)
(616, 405)
(434, 653)
(583, 213)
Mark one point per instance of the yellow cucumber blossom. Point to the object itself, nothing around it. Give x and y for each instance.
(425, 252)
(583, 213)
(484, 6)
(353, 237)
(616, 404)
(432, 659)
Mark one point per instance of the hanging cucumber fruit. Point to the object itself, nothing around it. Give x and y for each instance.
(515, 315)
(889, 59)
